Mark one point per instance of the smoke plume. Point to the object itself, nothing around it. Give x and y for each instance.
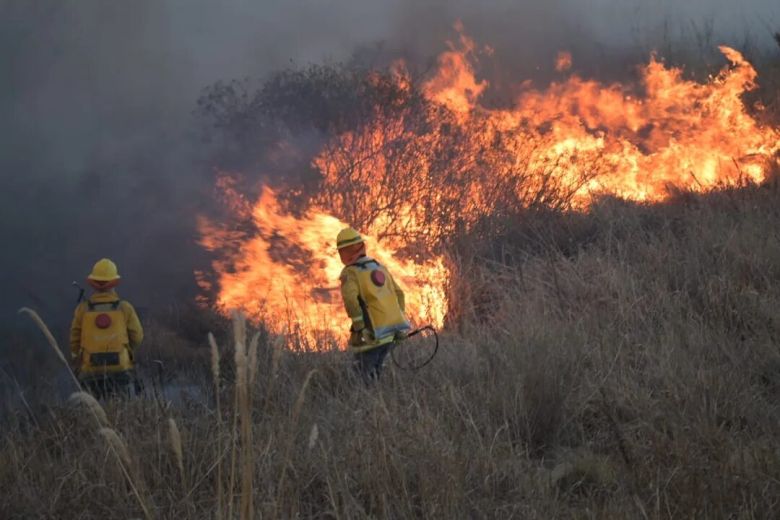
(101, 152)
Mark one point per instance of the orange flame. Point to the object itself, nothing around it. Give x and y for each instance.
(455, 85)
(287, 273)
(680, 134)
(636, 142)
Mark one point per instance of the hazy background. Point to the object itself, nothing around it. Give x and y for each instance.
(101, 153)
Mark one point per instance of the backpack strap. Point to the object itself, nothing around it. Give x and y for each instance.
(363, 262)
(91, 305)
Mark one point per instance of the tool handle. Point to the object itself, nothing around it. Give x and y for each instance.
(419, 330)
(414, 333)
(81, 291)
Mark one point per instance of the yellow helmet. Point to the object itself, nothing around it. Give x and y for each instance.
(347, 237)
(104, 271)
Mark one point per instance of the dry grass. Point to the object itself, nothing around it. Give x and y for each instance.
(620, 364)
(215, 373)
(51, 341)
(175, 437)
(90, 403)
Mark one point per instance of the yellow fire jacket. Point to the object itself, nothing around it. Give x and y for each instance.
(374, 302)
(126, 340)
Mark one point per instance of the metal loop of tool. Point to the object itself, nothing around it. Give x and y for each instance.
(411, 334)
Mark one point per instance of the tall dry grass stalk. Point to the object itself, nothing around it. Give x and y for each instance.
(238, 360)
(253, 359)
(119, 447)
(244, 401)
(296, 412)
(239, 331)
(117, 444)
(276, 355)
(52, 342)
(174, 436)
(242, 413)
(298, 406)
(215, 376)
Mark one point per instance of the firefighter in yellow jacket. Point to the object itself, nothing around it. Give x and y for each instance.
(104, 335)
(374, 303)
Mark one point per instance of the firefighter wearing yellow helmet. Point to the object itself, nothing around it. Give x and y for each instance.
(373, 301)
(104, 334)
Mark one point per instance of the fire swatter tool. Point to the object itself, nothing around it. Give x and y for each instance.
(417, 349)
(80, 289)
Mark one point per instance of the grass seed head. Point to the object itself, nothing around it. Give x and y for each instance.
(214, 359)
(175, 438)
(117, 444)
(90, 403)
(50, 339)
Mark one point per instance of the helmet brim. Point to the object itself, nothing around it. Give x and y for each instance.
(98, 278)
(347, 243)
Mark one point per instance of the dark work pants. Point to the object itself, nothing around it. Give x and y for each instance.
(369, 363)
(116, 384)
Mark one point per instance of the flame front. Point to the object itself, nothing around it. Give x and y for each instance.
(287, 273)
(412, 184)
(679, 134)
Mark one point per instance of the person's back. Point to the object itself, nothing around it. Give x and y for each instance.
(374, 302)
(104, 334)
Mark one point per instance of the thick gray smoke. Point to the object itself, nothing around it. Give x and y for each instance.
(100, 153)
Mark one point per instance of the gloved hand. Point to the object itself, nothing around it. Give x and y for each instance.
(359, 337)
(75, 363)
(401, 335)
